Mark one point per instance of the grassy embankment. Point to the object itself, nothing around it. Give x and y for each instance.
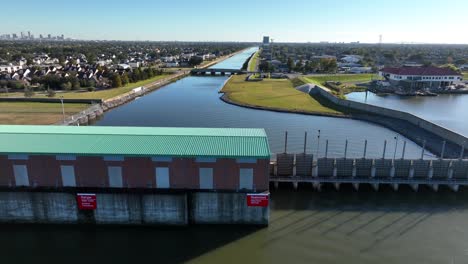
(254, 61)
(275, 94)
(22, 113)
(344, 83)
(49, 113)
(465, 75)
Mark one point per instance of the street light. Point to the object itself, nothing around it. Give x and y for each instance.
(63, 108)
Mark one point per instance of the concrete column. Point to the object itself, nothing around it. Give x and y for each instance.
(454, 187)
(376, 186)
(318, 187)
(415, 187)
(294, 165)
(335, 171)
(450, 171)
(392, 171)
(411, 172)
(315, 171)
(431, 172)
(373, 169)
(295, 185)
(395, 187)
(276, 185)
(356, 186)
(337, 186)
(435, 187)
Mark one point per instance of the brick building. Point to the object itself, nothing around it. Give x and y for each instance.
(134, 158)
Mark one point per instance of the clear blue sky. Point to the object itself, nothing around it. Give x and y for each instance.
(432, 21)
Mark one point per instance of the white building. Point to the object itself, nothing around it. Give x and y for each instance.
(421, 77)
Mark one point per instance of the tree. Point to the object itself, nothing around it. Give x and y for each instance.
(290, 64)
(328, 65)
(66, 86)
(195, 60)
(116, 81)
(125, 79)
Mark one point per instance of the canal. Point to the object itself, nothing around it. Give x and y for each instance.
(306, 226)
(446, 110)
(194, 102)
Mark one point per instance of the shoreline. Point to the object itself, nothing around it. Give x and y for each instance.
(95, 111)
(402, 127)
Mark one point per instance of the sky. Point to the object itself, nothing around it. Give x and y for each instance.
(418, 21)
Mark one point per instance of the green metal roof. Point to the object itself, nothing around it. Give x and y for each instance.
(134, 141)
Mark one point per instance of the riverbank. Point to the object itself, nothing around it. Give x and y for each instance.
(95, 111)
(39, 113)
(253, 62)
(273, 94)
(265, 96)
(33, 113)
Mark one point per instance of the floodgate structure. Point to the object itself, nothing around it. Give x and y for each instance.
(176, 176)
(120, 175)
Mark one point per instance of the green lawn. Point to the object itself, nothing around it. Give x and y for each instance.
(273, 94)
(253, 61)
(26, 113)
(344, 78)
(465, 75)
(347, 82)
(102, 94)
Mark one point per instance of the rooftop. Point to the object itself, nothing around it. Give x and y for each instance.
(421, 71)
(134, 141)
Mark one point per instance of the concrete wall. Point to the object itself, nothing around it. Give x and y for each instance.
(226, 208)
(112, 208)
(424, 124)
(131, 209)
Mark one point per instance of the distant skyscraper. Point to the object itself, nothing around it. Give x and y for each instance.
(29, 34)
(49, 36)
(40, 36)
(266, 40)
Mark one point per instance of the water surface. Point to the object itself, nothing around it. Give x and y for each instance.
(446, 110)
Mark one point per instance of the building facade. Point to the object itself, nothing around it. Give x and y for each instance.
(69, 160)
(421, 77)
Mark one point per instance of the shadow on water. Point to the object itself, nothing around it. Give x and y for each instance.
(88, 244)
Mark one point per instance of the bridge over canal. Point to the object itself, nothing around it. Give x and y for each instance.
(210, 71)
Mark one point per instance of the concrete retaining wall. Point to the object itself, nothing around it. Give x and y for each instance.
(419, 122)
(226, 208)
(131, 209)
(113, 208)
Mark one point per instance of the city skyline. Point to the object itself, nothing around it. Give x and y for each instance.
(299, 21)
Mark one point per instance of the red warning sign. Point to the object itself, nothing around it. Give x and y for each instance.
(86, 201)
(258, 199)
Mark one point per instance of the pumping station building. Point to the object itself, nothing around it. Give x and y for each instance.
(131, 175)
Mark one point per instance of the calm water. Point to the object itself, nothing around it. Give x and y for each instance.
(194, 102)
(445, 110)
(306, 226)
